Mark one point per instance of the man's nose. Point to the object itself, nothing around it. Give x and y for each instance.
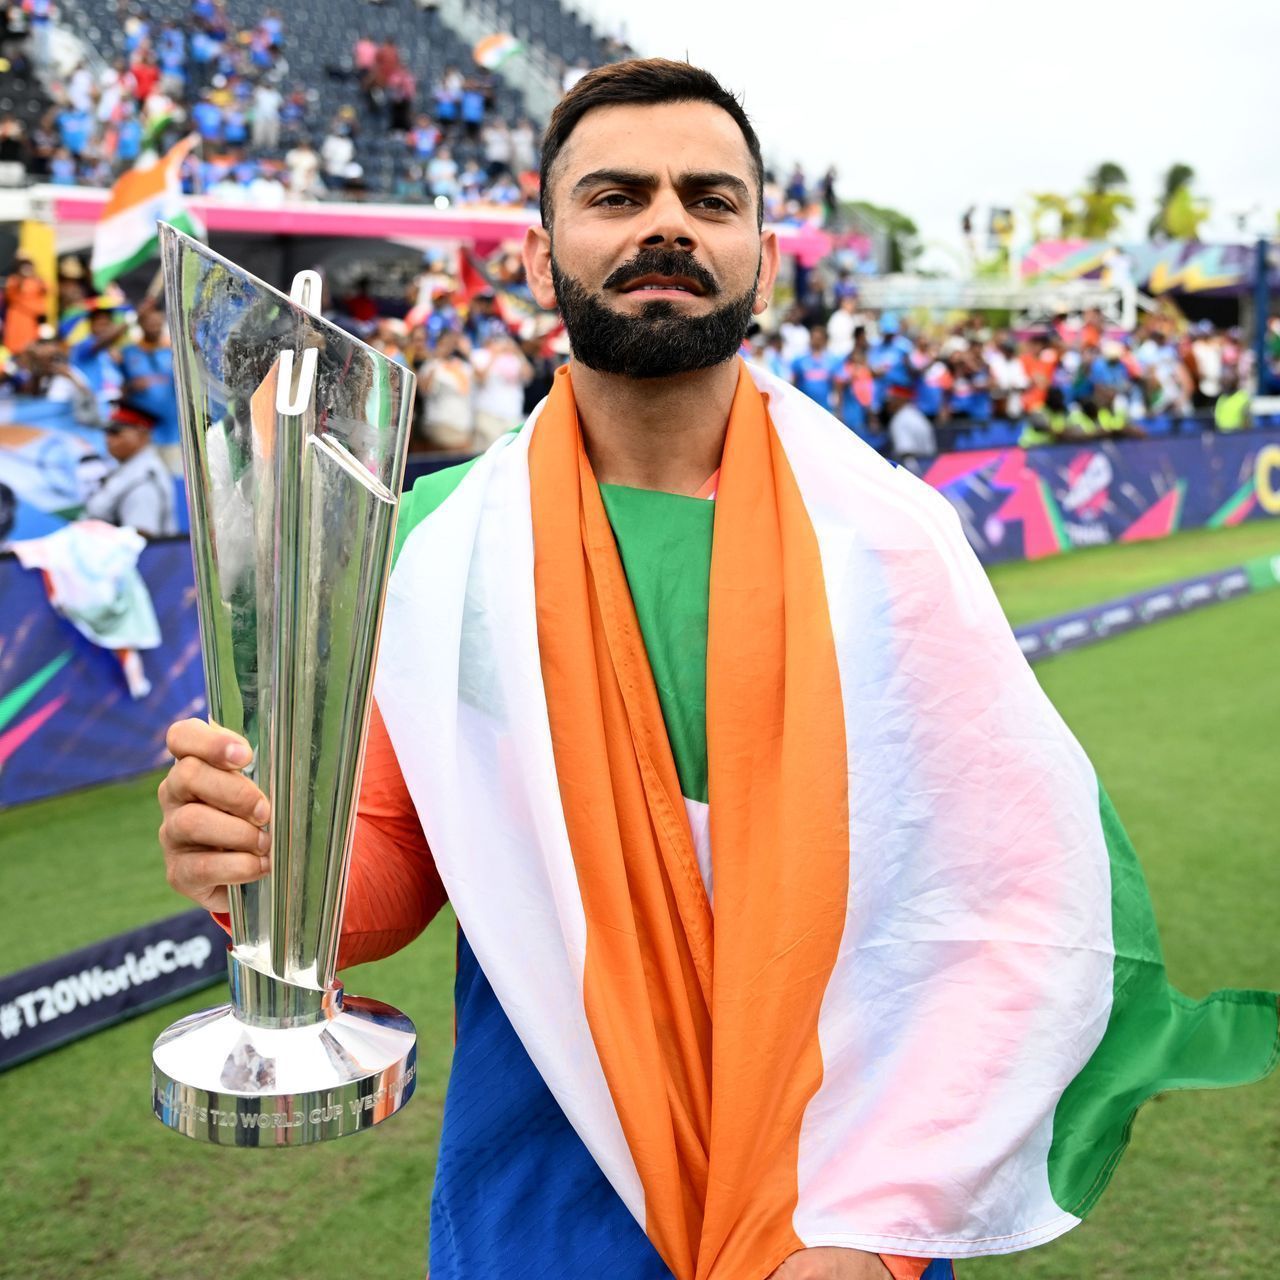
(667, 222)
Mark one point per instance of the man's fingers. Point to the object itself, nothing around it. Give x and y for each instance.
(217, 900)
(201, 826)
(199, 875)
(208, 742)
(194, 781)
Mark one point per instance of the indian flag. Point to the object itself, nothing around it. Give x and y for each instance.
(886, 875)
(126, 235)
(492, 51)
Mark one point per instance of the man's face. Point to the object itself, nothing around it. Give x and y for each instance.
(654, 257)
(152, 324)
(124, 440)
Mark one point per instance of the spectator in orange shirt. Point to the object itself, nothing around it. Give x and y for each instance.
(25, 299)
(1039, 358)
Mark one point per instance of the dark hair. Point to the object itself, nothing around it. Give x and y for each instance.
(645, 82)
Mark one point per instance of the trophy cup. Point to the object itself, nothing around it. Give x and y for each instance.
(294, 436)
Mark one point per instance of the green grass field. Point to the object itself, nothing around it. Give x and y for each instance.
(1180, 721)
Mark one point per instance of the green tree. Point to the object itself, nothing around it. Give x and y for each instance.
(1093, 213)
(1049, 204)
(1179, 214)
(1107, 177)
(1100, 212)
(901, 232)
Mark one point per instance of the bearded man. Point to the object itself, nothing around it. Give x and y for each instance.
(797, 938)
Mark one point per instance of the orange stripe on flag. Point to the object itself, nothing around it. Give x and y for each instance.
(713, 1126)
(647, 980)
(140, 185)
(779, 808)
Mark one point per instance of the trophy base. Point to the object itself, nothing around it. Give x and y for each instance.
(220, 1079)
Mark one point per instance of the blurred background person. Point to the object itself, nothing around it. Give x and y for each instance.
(502, 372)
(26, 298)
(446, 382)
(139, 492)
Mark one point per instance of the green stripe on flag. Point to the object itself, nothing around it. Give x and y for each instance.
(103, 276)
(1156, 1039)
(427, 494)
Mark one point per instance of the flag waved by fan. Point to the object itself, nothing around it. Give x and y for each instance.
(493, 50)
(126, 234)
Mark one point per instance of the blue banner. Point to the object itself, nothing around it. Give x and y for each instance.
(74, 995)
(66, 717)
(1020, 504)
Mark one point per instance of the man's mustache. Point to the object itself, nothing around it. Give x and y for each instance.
(663, 262)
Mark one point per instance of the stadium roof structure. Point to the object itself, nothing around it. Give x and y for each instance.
(1032, 304)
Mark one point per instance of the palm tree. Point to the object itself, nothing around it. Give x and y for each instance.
(1178, 213)
(1107, 176)
(1100, 212)
(1049, 204)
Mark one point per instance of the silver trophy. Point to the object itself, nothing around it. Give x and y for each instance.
(294, 436)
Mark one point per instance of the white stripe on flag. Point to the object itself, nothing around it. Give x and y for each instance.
(953, 1019)
(460, 688)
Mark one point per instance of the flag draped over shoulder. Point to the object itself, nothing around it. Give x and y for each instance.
(126, 234)
(894, 984)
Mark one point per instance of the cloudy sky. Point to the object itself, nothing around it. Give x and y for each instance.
(931, 106)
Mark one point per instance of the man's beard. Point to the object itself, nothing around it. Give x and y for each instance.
(659, 341)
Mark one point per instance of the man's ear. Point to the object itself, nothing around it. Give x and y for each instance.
(769, 261)
(537, 267)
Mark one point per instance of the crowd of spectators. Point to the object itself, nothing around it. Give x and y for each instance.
(1072, 380)
(110, 364)
(263, 133)
(480, 365)
(268, 137)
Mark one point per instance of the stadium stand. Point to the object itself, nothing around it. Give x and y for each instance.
(321, 73)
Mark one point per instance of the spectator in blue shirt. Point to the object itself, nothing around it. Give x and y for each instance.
(95, 358)
(205, 49)
(1108, 369)
(815, 373)
(171, 51)
(75, 129)
(773, 359)
(890, 358)
(235, 127)
(273, 25)
(62, 168)
(147, 368)
(207, 118)
(129, 139)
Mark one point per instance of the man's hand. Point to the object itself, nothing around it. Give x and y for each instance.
(212, 834)
(832, 1264)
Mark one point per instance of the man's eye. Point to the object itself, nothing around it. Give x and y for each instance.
(717, 204)
(615, 200)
